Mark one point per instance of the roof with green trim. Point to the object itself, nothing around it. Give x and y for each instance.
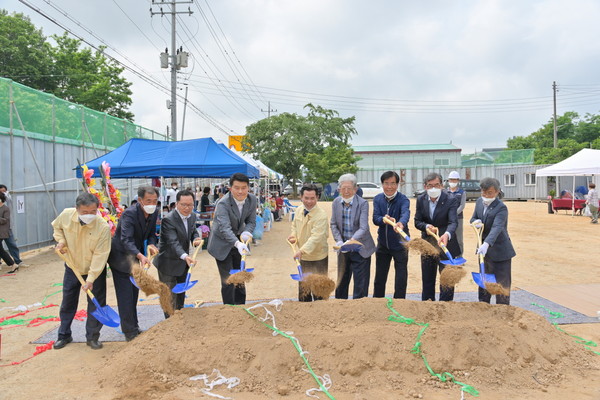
(406, 147)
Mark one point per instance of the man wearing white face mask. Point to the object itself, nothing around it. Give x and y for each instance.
(436, 211)
(496, 248)
(350, 221)
(86, 236)
(454, 190)
(136, 228)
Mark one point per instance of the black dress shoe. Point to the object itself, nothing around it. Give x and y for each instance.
(15, 269)
(94, 344)
(60, 343)
(129, 338)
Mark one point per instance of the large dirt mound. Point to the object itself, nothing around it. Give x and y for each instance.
(502, 351)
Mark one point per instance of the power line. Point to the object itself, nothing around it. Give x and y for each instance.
(144, 77)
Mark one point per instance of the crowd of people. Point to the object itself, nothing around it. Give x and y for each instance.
(82, 233)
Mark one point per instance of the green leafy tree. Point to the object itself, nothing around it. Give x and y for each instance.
(573, 133)
(288, 143)
(333, 162)
(24, 52)
(69, 72)
(89, 78)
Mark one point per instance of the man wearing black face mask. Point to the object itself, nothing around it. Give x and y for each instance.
(136, 228)
(436, 211)
(86, 236)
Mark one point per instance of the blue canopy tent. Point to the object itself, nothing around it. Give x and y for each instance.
(197, 158)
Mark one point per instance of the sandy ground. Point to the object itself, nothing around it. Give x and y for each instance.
(551, 250)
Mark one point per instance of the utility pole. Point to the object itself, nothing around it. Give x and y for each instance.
(555, 127)
(184, 108)
(268, 110)
(178, 57)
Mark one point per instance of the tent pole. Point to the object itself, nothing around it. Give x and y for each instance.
(573, 199)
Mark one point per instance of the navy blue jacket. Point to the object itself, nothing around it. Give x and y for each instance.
(444, 218)
(399, 209)
(132, 230)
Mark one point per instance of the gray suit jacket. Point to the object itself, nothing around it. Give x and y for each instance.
(495, 230)
(360, 217)
(228, 224)
(174, 242)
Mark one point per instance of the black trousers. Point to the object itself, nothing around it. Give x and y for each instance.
(502, 270)
(68, 308)
(231, 294)
(127, 299)
(429, 270)
(313, 267)
(383, 258)
(352, 264)
(4, 254)
(171, 281)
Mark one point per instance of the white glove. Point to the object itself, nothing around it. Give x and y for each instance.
(477, 224)
(246, 236)
(483, 248)
(242, 248)
(339, 244)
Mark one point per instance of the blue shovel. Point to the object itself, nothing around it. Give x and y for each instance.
(481, 278)
(242, 264)
(349, 246)
(458, 261)
(187, 285)
(299, 276)
(105, 315)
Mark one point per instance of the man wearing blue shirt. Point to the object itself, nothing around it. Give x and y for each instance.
(396, 206)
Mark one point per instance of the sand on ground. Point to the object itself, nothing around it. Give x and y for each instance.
(502, 351)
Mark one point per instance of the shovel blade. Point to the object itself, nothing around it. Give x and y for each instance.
(234, 271)
(297, 277)
(454, 261)
(133, 282)
(106, 315)
(183, 287)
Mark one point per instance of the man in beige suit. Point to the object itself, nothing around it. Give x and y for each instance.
(310, 230)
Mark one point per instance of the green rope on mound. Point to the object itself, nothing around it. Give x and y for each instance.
(50, 295)
(444, 376)
(588, 344)
(296, 346)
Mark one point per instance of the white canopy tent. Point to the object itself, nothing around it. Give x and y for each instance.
(584, 163)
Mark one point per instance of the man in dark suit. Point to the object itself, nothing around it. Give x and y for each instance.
(178, 229)
(436, 211)
(137, 227)
(350, 220)
(233, 224)
(496, 248)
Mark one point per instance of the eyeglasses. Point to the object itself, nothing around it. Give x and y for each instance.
(390, 184)
(186, 205)
(436, 186)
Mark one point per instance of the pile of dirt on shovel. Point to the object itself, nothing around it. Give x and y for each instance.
(501, 351)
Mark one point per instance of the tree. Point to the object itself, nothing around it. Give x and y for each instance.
(24, 52)
(78, 75)
(331, 164)
(318, 142)
(89, 78)
(573, 134)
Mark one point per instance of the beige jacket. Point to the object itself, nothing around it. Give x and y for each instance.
(312, 232)
(89, 245)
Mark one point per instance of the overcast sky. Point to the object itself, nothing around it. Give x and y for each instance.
(473, 73)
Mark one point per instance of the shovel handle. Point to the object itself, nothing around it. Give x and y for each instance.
(396, 229)
(68, 262)
(479, 231)
(435, 235)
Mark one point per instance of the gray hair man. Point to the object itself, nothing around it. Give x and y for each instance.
(82, 233)
(350, 221)
(497, 249)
